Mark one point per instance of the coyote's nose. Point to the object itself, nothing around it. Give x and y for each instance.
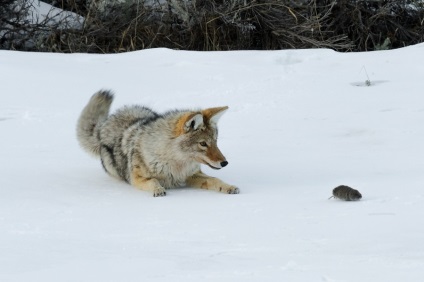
(224, 163)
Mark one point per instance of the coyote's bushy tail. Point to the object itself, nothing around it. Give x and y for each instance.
(91, 119)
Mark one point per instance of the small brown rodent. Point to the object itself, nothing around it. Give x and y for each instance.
(346, 193)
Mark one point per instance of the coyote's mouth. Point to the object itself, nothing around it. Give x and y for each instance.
(208, 164)
(213, 167)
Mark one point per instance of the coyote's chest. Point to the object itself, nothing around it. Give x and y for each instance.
(174, 173)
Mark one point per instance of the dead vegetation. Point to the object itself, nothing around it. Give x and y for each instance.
(343, 25)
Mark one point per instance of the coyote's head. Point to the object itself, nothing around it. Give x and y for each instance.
(198, 134)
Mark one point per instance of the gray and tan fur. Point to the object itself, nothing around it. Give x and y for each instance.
(344, 192)
(152, 151)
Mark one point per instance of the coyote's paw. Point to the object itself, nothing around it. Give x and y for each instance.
(159, 192)
(232, 190)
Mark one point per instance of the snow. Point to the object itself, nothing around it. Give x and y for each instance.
(300, 123)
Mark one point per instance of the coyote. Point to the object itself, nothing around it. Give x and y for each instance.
(152, 151)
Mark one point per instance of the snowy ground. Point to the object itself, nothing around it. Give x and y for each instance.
(300, 123)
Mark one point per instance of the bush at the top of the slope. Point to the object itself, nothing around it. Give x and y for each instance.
(128, 25)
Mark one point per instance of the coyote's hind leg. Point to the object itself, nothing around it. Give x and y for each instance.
(147, 184)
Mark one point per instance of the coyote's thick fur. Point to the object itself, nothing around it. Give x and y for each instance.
(154, 151)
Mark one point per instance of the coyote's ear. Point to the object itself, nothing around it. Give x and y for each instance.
(193, 123)
(214, 114)
(188, 122)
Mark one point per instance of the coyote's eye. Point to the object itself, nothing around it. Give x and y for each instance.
(203, 144)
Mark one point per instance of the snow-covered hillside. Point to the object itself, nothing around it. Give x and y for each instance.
(300, 123)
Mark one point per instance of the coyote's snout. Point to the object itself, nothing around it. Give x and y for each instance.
(154, 151)
(214, 158)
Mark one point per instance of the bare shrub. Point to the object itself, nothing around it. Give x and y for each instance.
(342, 25)
(23, 28)
(369, 24)
(210, 25)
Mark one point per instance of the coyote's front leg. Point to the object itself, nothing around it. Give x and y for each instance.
(201, 180)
